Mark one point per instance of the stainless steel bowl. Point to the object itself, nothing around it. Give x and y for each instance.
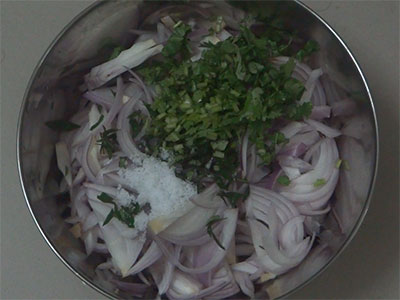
(74, 51)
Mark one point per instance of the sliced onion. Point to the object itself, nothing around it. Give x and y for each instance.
(63, 161)
(207, 198)
(79, 204)
(94, 116)
(99, 189)
(90, 238)
(345, 107)
(261, 199)
(320, 112)
(272, 259)
(294, 162)
(130, 58)
(85, 164)
(307, 138)
(292, 128)
(270, 180)
(101, 248)
(191, 224)
(224, 276)
(150, 257)
(244, 249)
(79, 177)
(309, 211)
(162, 273)
(225, 238)
(244, 238)
(90, 222)
(124, 251)
(324, 129)
(184, 286)
(245, 284)
(93, 157)
(124, 137)
(245, 267)
(330, 89)
(187, 240)
(134, 289)
(81, 135)
(310, 85)
(302, 190)
(103, 96)
(291, 172)
(142, 85)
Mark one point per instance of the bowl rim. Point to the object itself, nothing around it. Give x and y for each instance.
(84, 279)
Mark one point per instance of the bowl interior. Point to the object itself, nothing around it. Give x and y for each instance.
(52, 94)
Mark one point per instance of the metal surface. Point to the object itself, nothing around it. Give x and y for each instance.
(74, 51)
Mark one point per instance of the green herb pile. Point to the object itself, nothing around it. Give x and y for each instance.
(203, 108)
(126, 214)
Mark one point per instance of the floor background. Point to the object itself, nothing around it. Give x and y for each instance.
(368, 268)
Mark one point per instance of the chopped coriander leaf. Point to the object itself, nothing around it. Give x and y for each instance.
(105, 198)
(309, 48)
(109, 217)
(319, 182)
(283, 180)
(126, 214)
(210, 223)
(101, 118)
(108, 141)
(62, 125)
(203, 108)
(177, 42)
(299, 112)
(137, 122)
(234, 197)
(116, 51)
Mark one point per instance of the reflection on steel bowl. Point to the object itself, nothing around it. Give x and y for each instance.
(194, 149)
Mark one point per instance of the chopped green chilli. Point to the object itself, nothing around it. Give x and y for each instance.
(338, 164)
(319, 182)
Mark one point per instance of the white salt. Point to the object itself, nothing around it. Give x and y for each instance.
(165, 155)
(124, 198)
(156, 184)
(141, 221)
